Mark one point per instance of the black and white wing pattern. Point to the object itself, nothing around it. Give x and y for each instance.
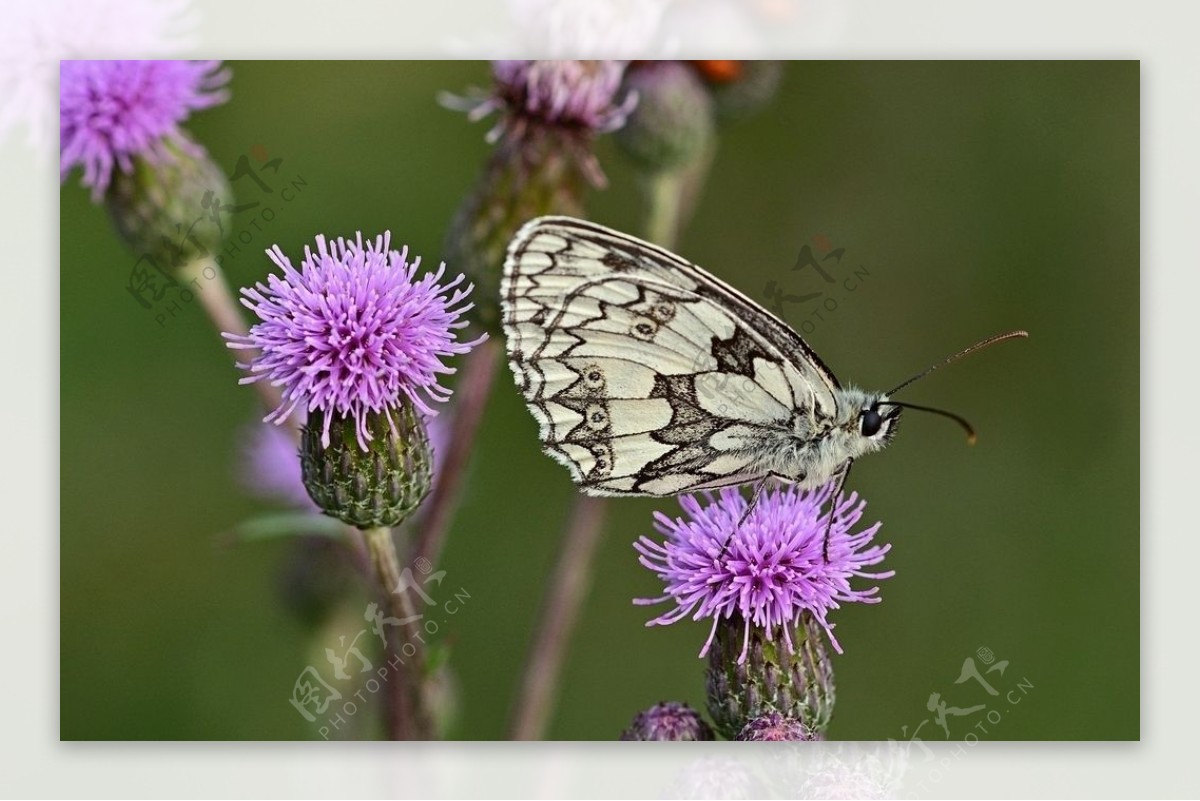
(647, 375)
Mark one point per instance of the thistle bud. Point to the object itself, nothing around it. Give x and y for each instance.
(668, 721)
(774, 727)
(378, 485)
(168, 208)
(771, 680)
(672, 124)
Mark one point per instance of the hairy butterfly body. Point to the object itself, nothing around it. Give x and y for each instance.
(649, 376)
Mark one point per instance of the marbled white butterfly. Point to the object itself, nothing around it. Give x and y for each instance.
(649, 376)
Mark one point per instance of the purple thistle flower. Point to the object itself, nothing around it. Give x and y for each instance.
(773, 569)
(571, 94)
(352, 333)
(113, 111)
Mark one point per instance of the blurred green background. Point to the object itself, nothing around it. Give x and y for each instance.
(978, 196)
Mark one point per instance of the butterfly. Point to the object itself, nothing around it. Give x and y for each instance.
(649, 376)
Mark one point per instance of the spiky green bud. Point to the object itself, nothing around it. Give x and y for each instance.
(772, 680)
(173, 210)
(377, 487)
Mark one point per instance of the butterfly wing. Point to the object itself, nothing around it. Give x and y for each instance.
(647, 375)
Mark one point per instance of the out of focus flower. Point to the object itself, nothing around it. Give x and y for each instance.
(550, 113)
(585, 96)
(270, 466)
(853, 770)
(35, 37)
(673, 123)
(113, 112)
(740, 88)
(716, 777)
(585, 27)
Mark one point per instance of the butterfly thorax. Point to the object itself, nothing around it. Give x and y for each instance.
(819, 446)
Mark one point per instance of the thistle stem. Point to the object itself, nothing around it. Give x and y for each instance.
(207, 280)
(559, 614)
(672, 197)
(471, 400)
(405, 710)
(665, 190)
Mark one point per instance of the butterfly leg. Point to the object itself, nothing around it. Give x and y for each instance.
(758, 490)
(842, 475)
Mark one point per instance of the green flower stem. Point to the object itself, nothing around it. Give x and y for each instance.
(206, 280)
(405, 710)
(560, 612)
(672, 196)
(665, 192)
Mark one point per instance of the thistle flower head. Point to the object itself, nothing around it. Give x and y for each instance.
(113, 111)
(575, 95)
(773, 569)
(668, 720)
(353, 332)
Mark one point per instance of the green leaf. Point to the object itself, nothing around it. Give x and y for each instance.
(287, 524)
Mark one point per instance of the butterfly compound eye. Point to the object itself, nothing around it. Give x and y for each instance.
(871, 422)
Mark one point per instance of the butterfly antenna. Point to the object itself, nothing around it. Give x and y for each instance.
(956, 418)
(977, 346)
